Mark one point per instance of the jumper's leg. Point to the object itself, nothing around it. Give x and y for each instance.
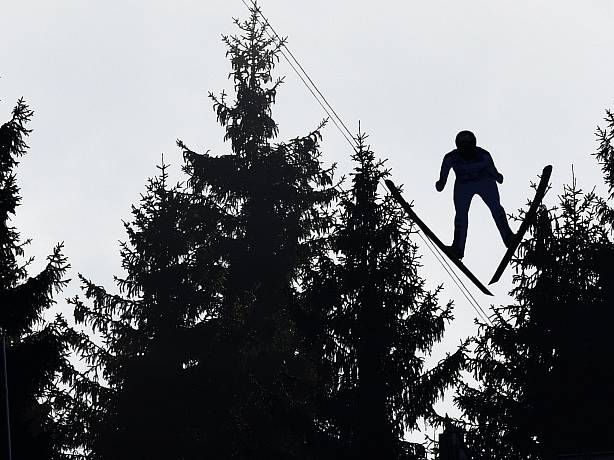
(490, 194)
(463, 193)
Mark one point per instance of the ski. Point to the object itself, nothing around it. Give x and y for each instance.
(427, 231)
(524, 226)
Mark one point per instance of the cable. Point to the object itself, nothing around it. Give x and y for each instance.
(459, 283)
(445, 263)
(475, 302)
(456, 279)
(268, 24)
(323, 102)
(319, 102)
(334, 116)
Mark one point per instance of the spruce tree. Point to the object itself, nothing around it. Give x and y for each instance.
(382, 322)
(266, 364)
(605, 157)
(141, 394)
(206, 351)
(35, 349)
(543, 366)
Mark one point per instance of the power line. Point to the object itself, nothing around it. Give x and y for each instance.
(313, 89)
(320, 102)
(443, 261)
(457, 280)
(268, 24)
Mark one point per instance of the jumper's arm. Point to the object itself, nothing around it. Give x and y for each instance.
(446, 164)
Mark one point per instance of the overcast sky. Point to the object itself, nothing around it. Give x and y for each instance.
(115, 83)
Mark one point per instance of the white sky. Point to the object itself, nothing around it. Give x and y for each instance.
(114, 83)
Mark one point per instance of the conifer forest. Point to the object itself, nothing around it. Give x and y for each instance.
(269, 307)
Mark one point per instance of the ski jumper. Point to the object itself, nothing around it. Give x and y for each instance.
(476, 174)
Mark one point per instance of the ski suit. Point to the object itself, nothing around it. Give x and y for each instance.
(476, 174)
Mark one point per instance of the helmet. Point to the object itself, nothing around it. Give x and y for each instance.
(465, 140)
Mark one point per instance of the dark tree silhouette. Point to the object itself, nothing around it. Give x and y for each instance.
(383, 322)
(147, 403)
(36, 351)
(543, 366)
(265, 367)
(605, 157)
(206, 350)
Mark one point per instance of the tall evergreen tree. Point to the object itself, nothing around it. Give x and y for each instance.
(206, 351)
(275, 196)
(605, 157)
(141, 388)
(36, 351)
(543, 364)
(383, 322)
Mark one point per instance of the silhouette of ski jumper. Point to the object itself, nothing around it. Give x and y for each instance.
(476, 174)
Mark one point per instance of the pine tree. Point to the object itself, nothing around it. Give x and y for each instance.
(266, 364)
(605, 157)
(543, 364)
(206, 351)
(382, 321)
(36, 351)
(142, 390)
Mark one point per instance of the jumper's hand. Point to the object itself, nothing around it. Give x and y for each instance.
(439, 186)
(500, 178)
